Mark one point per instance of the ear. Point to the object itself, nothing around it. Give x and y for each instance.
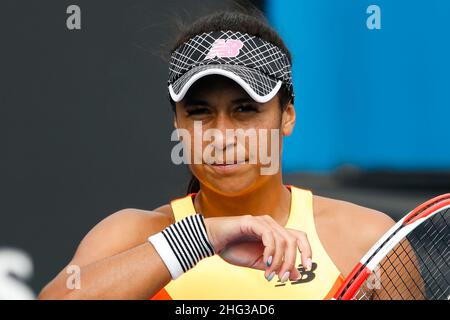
(288, 120)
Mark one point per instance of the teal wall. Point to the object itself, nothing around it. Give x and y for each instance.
(370, 98)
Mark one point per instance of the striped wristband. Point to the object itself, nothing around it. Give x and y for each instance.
(183, 244)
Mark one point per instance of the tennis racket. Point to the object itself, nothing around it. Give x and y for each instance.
(410, 262)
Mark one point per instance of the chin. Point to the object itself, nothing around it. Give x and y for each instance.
(229, 182)
(232, 186)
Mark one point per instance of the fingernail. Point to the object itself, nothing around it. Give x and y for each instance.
(285, 277)
(271, 275)
(308, 264)
(269, 261)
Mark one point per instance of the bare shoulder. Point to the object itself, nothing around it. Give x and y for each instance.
(166, 210)
(121, 231)
(137, 220)
(343, 225)
(361, 223)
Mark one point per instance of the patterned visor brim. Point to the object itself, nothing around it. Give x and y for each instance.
(258, 66)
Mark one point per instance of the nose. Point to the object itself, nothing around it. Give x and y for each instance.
(225, 137)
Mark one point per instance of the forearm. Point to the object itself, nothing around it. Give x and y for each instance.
(137, 273)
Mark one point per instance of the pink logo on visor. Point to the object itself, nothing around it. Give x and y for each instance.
(222, 48)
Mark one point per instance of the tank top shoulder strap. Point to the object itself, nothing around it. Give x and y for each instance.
(302, 218)
(301, 215)
(183, 207)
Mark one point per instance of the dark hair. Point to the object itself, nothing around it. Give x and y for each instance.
(246, 19)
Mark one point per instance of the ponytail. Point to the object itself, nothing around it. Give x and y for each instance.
(194, 185)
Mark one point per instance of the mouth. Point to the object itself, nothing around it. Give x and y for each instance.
(227, 168)
(228, 164)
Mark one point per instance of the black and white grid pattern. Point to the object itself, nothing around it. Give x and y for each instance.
(189, 241)
(259, 63)
(417, 268)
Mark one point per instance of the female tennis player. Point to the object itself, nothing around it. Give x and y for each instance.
(238, 233)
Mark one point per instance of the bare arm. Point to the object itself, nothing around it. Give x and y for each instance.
(116, 261)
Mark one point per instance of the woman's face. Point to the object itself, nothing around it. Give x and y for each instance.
(214, 105)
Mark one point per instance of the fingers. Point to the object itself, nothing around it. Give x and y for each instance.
(265, 233)
(284, 261)
(277, 258)
(304, 247)
(268, 241)
(289, 269)
(280, 247)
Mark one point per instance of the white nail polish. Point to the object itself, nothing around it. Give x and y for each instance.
(269, 261)
(285, 277)
(271, 275)
(309, 264)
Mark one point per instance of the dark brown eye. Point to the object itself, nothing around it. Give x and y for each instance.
(247, 108)
(197, 111)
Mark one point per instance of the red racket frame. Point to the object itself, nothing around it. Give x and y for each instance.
(360, 272)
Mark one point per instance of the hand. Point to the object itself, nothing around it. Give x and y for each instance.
(259, 242)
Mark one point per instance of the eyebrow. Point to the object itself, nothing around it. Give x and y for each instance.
(193, 101)
(244, 99)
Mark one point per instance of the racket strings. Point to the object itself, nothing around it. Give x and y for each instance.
(432, 247)
(417, 267)
(431, 242)
(398, 283)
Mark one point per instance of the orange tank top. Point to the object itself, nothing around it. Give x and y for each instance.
(214, 279)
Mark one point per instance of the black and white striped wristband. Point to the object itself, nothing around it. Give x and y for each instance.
(183, 244)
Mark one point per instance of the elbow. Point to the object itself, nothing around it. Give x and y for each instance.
(47, 294)
(51, 293)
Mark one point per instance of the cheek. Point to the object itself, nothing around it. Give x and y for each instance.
(268, 145)
(269, 135)
(270, 119)
(193, 143)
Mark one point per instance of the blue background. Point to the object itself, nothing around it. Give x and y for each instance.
(376, 99)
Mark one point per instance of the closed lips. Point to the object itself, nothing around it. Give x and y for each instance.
(228, 164)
